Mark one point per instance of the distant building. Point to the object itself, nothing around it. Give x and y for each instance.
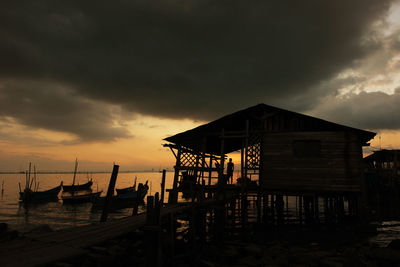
(384, 165)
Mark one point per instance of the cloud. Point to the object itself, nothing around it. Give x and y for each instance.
(53, 107)
(367, 94)
(374, 110)
(178, 59)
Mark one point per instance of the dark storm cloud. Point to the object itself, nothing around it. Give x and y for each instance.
(52, 107)
(374, 110)
(183, 59)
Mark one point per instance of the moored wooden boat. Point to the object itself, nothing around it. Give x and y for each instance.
(80, 198)
(126, 190)
(40, 196)
(78, 187)
(121, 201)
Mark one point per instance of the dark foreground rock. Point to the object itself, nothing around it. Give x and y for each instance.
(258, 246)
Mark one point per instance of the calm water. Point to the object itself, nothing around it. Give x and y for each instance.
(57, 215)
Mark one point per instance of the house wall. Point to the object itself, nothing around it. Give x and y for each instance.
(336, 166)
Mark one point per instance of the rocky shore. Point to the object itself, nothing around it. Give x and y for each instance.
(302, 247)
(258, 246)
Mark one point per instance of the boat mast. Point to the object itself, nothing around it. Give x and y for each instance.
(76, 167)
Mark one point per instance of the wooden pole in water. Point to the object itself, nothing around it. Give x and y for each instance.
(134, 185)
(34, 175)
(110, 193)
(29, 176)
(33, 179)
(163, 186)
(76, 167)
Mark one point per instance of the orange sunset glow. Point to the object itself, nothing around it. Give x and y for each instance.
(64, 94)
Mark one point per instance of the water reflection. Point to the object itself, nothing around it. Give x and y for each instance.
(55, 214)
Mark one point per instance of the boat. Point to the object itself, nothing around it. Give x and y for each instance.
(80, 198)
(73, 188)
(127, 189)
(125, 200)
(29, 195)
(79, 187)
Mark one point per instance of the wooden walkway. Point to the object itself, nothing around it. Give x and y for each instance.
(50, 247)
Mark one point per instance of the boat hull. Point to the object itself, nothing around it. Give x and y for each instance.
(74, 188)
(81, 198)
(121, 201)
(41, 196)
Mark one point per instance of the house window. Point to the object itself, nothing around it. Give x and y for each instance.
(307, 148)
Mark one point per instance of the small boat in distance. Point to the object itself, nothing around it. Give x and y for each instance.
(83, 187)
(80, 198)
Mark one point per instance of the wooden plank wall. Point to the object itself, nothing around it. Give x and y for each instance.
(338, 168)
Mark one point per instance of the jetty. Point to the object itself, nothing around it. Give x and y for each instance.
(294, 169)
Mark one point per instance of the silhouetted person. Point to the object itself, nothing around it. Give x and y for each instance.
(229, 170)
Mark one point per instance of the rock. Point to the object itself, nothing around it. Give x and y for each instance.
(331, 262)
(254, 250)
(249, 261)
(115, 250)
(303, 258)
(100, 250)
(9, 235)
(43, 228)
(207, 263)
(231, 252)
(3, 228)
(394, 244)
(386, 255)
(282, 260)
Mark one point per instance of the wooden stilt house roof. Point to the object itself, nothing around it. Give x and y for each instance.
(207, 137)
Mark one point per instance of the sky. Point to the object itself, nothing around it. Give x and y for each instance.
(106, 81)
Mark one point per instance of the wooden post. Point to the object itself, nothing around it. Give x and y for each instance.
(273, 208)
(135, 207)
(210, 172)
(258, 204)
(152, 229)
(219, 221)
(279, 209)
(244, 210)
(301, 209)
(163, 186)
(222, 161)
(157, 208)
(171, 232)
(149, 209)
(110, 193)
(246, 144)
(326, 209)
(265, 208)
(173, 195)
(316, 209)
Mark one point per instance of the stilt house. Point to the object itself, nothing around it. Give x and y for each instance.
(283, 151)
(385, 165)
